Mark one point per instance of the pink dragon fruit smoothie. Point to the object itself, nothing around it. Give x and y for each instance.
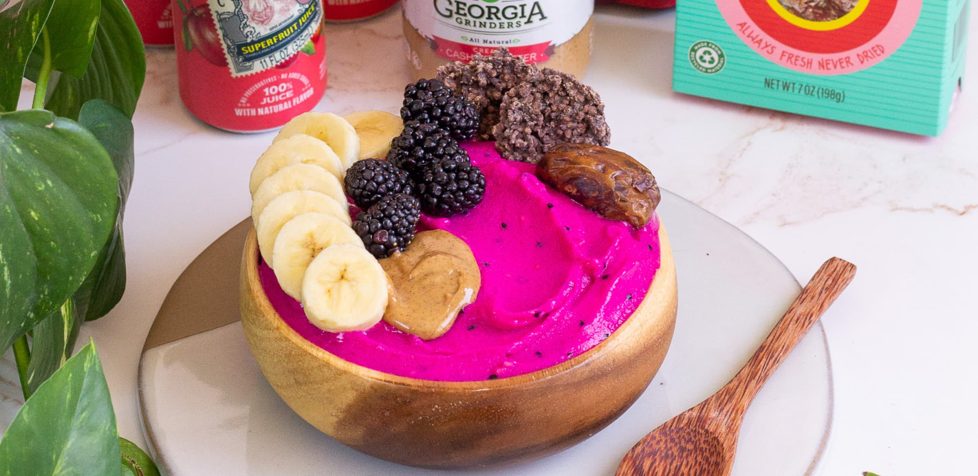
(557, 279)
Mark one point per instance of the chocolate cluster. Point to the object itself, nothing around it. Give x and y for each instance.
(526, 110)
(549, 110)
(485, 81)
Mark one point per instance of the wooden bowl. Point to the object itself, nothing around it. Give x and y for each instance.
(458, 424)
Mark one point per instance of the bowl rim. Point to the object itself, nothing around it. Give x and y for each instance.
(666, 270)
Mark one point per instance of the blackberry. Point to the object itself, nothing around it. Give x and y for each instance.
(430, 101)
(369, 180)
(389, 225)
(421, 144)
(449, 188)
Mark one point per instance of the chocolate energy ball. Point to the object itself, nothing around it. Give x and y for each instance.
(484, 81)
(546, 111)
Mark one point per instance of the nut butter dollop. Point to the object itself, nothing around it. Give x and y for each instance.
(430, 283)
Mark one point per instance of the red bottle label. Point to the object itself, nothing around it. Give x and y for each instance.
(154, 19)
(350, 10)
(250, 65)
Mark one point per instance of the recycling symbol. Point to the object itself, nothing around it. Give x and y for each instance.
(707, 57)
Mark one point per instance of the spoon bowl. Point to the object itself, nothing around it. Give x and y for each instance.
(688, 446)
(703, 439)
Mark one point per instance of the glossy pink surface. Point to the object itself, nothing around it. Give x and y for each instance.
(557, 279)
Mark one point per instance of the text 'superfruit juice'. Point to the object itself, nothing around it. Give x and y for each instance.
(250, 65)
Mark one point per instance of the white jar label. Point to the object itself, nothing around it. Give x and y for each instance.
(459, 29)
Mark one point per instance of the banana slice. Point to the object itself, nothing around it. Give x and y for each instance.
(344, 289)
(286, 207)
(293, 178)
(300, 240)
(377, 129)
(298, 149)
(335, 131)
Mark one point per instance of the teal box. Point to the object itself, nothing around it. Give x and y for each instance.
(892, 64)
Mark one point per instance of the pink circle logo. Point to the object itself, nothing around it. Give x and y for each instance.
(824, 38)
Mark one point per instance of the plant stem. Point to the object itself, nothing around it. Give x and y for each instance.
(41, 89)
(22, 353)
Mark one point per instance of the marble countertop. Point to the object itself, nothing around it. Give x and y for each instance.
(903, 208)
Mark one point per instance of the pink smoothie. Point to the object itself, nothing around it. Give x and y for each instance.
(557, 279)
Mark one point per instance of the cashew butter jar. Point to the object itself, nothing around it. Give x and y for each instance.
(549, 33)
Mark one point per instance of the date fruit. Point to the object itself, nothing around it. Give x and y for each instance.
(605, 180)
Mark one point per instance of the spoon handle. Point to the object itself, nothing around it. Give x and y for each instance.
(825, 286)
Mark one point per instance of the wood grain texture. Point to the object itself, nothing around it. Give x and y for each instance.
(702, 441)
(460, 424)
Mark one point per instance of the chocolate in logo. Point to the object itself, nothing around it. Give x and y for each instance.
(819, 10)
(493, 17)
(822, 37)
(260, 34)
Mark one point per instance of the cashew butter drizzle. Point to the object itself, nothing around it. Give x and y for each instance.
(430, 283)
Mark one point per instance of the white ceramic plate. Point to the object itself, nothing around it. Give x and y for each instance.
(207, 410)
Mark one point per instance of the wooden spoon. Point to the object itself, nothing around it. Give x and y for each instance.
(702, 441)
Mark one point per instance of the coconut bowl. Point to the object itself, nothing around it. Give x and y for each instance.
(460, 424)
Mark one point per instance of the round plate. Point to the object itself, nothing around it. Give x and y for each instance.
(206, 408)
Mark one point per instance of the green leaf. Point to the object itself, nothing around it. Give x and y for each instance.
(71, 28)
(67, 428)
(136, 461)
(116, 71)
(309, 48)
(20, 27)
(51, 341)
(58, 204)
(105, 285)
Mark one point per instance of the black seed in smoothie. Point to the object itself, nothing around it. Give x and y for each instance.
(650, 248)
(580, 323)
(485, 263)
(536, 314)
(471, 327)
(493, 376)
(567, 228)
(628, 297)
(539, 244)
(550, 205)
(538, 354)
(504, 225)
(606, 335)
(604, 277)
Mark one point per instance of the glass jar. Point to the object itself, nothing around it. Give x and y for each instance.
(550, 33)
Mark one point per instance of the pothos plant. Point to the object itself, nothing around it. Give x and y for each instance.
(66, 165)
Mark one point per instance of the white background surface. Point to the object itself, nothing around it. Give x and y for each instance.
(903, 208)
